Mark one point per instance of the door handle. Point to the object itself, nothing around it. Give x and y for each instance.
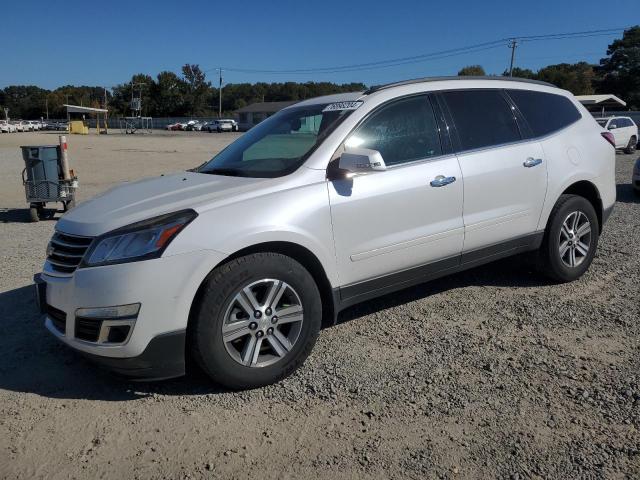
(441, 181)
(532, 162)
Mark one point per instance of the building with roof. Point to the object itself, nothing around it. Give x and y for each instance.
(253, 114)
(600, 103)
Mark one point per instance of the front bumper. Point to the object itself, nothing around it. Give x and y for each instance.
(165, 287)
(163, 358)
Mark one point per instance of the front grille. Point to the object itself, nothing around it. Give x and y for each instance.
(88, 329)
(66, 252)
(58, 318)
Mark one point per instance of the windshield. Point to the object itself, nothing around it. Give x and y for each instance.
(278, 145)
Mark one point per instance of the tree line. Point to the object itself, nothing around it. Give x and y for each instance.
(191, 94)
(618, 73)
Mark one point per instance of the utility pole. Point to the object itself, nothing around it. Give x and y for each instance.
(46, 106)
(513, 43)
(220, 94)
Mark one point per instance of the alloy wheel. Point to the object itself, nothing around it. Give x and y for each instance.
(262, 323)
(574, 240)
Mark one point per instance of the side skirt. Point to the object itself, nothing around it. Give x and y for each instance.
(354, 293)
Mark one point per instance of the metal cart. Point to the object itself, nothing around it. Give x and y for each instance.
(47, 178)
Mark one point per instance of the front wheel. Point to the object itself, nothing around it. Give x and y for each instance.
(631, 146)
(257, 320)
(570, 240)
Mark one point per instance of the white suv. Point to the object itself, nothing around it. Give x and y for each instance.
(624, 130)
(330, 202)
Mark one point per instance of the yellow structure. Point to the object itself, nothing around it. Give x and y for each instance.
(78, 127)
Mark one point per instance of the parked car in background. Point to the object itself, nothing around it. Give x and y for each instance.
(330, 202)
(222, 125)
(7, 127)
(34, 125)
(624, 130)
(20, 126)
(176, 126)
(193, 125)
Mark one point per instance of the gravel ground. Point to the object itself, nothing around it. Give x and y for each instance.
(491, 373)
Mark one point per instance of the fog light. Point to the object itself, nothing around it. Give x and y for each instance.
(117, 312)
(106, 325)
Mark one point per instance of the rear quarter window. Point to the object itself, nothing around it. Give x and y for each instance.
(545, 112)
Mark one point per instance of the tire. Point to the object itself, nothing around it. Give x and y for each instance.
(33, 214)
(557, 266)
(631, 146)
(232, 360)
(68, 205)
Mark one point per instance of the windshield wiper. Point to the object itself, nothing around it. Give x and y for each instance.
(230, 172)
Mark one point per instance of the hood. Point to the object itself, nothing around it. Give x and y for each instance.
(136, 201)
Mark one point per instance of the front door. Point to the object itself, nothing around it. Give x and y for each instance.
(408, 216)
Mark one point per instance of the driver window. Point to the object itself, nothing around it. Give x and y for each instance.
(402, 131)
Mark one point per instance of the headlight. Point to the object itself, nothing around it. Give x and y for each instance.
(140, 241)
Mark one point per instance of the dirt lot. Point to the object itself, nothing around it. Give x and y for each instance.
(492, 373)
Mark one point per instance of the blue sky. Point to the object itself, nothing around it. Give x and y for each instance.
(103, 43)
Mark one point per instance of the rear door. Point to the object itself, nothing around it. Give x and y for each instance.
(505, 175)
(387, 224)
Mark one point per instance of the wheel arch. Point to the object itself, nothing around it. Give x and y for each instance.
(589, 191)
(302, 255)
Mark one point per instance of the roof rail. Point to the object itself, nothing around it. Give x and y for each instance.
(439, 79)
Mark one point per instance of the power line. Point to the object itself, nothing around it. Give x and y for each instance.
(432, 55)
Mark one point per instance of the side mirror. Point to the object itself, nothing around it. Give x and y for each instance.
(361, 160)
(613, 126)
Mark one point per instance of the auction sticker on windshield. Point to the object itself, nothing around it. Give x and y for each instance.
(342, 106)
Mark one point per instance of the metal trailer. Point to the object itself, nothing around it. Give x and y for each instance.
(47, 178)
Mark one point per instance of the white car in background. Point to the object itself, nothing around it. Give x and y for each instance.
(222, 125)
(20, 126)
(624, 130)
(34, 125)
(7, 127)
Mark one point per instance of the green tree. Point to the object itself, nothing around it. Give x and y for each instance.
(472, 70)
(620, 71)
(521, 73)
(168, 94)
(197, 89)
(577, 77)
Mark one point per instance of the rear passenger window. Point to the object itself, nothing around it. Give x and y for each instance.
(482, 118)
(401, 131)
(545, 112)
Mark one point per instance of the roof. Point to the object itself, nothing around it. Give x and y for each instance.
(607, 100)
(336, 97)
(79, 109)
(462, 78)
(265, 107)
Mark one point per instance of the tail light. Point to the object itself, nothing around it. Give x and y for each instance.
(608, 136)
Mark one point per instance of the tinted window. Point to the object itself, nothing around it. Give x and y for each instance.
(545, 112)
(482, 118)
(401, 131)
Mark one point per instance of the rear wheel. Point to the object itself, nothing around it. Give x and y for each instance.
(257, 320)
(631, 146)
(34, 214)
(570, 240)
